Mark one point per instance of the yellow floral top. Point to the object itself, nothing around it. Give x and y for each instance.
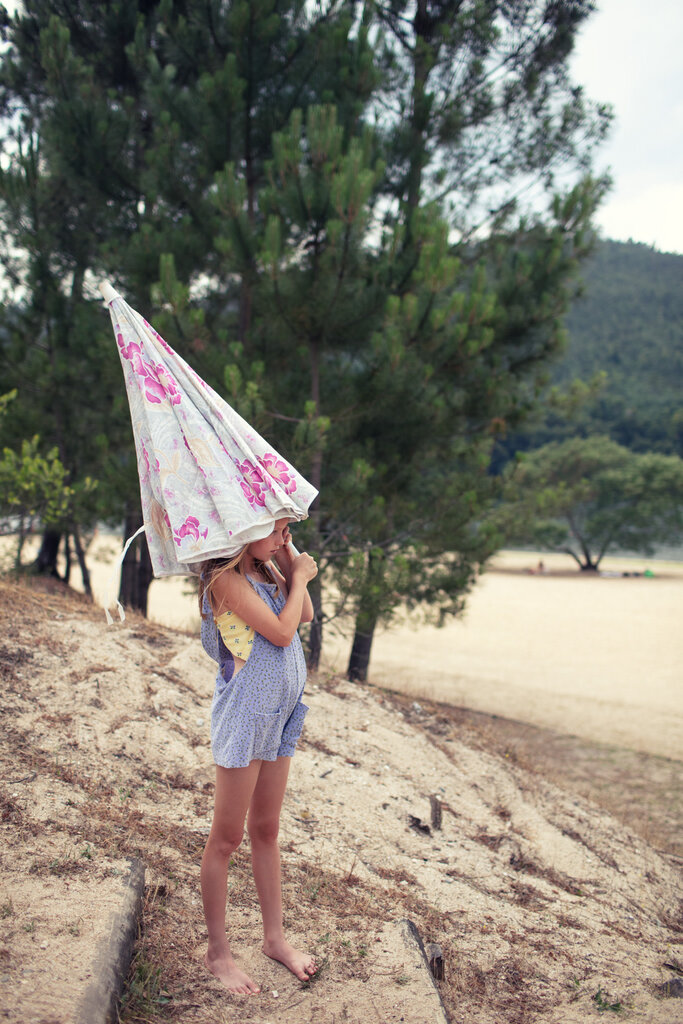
(237, 636)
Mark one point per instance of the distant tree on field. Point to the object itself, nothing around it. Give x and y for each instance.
(588, 495)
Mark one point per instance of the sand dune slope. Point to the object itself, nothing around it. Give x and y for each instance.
(547, 909)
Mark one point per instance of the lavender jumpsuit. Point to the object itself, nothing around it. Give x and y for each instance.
(256, 713)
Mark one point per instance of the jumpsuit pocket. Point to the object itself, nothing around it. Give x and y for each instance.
(227, 667)
(266, 734)
(292, 730)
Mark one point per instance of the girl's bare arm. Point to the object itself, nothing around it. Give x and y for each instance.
(233, 592)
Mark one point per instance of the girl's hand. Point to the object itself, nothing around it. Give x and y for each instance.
(305, 566)
(284, 557)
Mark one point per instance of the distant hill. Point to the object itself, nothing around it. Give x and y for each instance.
(627, 322)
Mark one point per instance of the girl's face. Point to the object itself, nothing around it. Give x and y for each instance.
(263, 550)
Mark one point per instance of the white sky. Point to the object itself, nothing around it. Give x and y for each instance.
(630, 55)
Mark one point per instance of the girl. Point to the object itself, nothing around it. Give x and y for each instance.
(250, 616)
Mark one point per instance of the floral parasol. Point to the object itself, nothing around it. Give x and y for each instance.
(209, 483)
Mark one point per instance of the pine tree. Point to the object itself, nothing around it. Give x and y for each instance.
(315, 303)
(52, 342)
(479, 109)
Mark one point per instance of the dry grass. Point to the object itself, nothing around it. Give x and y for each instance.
(340, 913)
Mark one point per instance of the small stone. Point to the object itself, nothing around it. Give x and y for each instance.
(275, 993)
(673, 989)
(436, 960)
(43, 945)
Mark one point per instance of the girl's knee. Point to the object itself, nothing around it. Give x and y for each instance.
(224, 842)
(264, 830)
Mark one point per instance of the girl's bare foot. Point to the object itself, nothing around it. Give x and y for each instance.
(302, 965)
(223, 967)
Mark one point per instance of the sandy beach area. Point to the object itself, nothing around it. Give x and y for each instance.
(597, 657)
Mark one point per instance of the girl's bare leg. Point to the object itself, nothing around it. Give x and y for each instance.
(263, 825)
(234, 789)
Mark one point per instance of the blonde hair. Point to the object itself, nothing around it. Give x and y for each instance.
(213, 568)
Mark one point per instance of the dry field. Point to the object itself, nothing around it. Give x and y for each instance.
(596, 657)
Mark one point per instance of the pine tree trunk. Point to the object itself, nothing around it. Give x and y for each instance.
(67, 556)
(45, 563)
(145, 575)
(315, 639)
(366, 619)
(136, 571)
(80, 555)
(360, 650)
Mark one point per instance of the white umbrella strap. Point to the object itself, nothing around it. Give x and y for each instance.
(113, 579)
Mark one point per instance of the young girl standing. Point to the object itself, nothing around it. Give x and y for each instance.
(251, 611)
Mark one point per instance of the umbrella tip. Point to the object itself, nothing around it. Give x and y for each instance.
(108, 292)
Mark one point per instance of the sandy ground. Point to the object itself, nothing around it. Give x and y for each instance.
(597, 657)
(548, 909)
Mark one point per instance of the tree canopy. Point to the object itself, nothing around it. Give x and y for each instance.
(363, 220)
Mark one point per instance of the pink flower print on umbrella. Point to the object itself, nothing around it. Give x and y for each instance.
(280, 471)
(190, 528)
(252, 483)
(157, 382)
(144, 475)
(253, 494)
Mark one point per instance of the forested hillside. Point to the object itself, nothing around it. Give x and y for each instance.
(628, 322)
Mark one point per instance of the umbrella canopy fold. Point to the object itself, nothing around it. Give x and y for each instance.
(209, 483)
